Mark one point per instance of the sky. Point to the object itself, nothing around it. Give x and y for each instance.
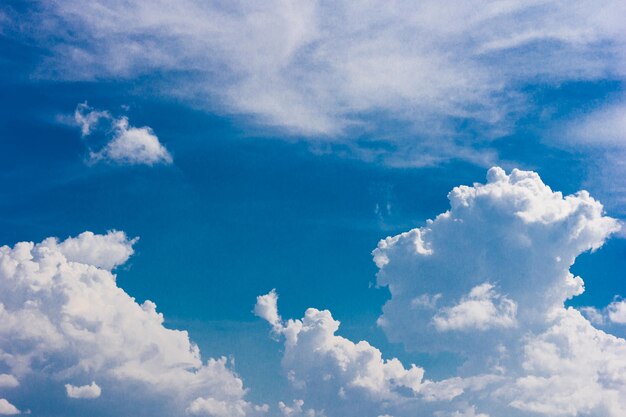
(320, 209)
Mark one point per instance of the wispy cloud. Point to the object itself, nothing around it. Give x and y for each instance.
(332, 71)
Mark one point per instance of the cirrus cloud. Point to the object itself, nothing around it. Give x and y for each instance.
(446, 77)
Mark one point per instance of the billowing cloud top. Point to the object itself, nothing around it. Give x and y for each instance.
(64, 321)
(487, 279)
(498, 261)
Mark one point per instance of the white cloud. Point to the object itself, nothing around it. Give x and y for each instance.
(8, 381)
(266, 308)
(592, 314)
(616, 311)
(325, 68)
(603, 127)
(63, 318)
(7, 409)
(297, 409)
(87, 118)
(517, 233)
(323, 364)
(513, 231)
(84, 391)
(133, 146)
(477, 311)
(128, 144)
(102, 251)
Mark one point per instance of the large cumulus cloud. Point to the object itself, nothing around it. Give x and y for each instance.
(64, 322)
(487, 280)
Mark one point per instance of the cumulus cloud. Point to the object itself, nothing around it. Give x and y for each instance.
(325, 68)
(8, 381)
(297, 409)
(513, 231)
(323, 364)
(127, 145)
(102, 251)
(84, 391)
(343, 378)
(7, 409)
(266, 307)
(497, 264)
(477, 311)
(63, 319)
(603, 127)
(616, 311)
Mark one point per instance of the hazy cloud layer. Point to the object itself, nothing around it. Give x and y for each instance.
(488, 280)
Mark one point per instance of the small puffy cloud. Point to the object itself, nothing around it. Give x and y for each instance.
(297, 409)
(133, 146)
(7, 409)
(63, 318)
(616, 311)
(266, 308)
(216, 408)
(84, 391)
(8, 381)
(126, 144)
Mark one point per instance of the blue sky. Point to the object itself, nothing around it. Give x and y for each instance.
(260, 147)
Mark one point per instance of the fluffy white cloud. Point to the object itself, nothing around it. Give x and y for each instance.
(616, 311)
(324, 68)
(7, 409)
(297, 409)
(8, 381)
(477, 311)
(487, 279)
(84, 391)
(128, 144)
(102, 251)
(323, 365)
(266, 308)
(134, 146)
(63, 319)
(514, 232)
